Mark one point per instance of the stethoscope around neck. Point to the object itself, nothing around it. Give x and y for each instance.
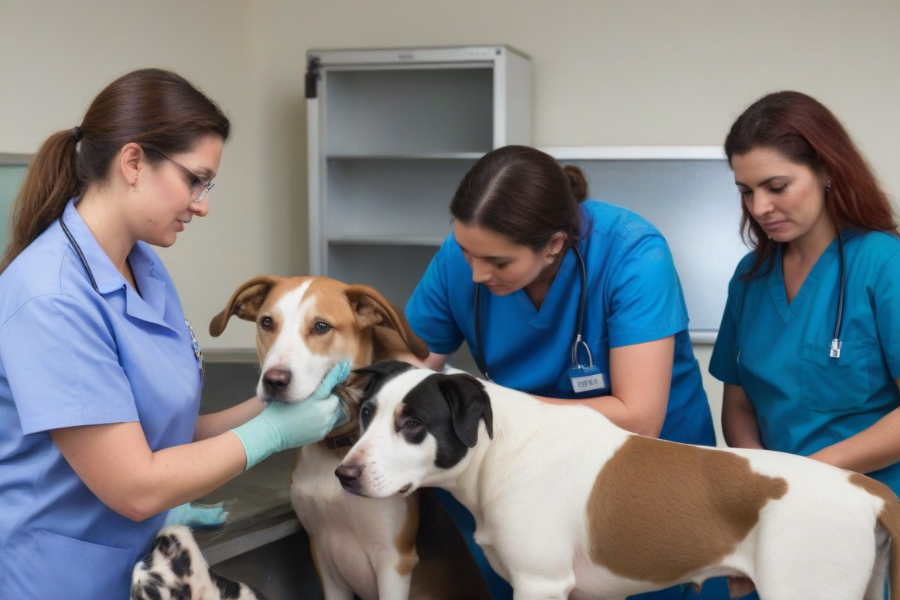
(195, 345)
(578, 344)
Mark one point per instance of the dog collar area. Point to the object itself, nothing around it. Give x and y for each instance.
(341, 441)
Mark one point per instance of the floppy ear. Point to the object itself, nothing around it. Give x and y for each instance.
(373, 309)
(469, 403)
(244, 303)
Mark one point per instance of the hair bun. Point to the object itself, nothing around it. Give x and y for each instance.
(577, 182)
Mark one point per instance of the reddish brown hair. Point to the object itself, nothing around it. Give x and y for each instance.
(523, 194)
(807, 133)
(155, 108)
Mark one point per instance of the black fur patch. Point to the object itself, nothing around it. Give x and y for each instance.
(450, 408)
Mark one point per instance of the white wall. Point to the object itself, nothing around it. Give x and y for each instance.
(606, 72)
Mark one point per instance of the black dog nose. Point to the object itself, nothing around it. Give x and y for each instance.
(349, 476)
(275, 380)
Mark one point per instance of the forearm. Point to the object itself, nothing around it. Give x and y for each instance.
(184, 473)
(619, 412)
(118, 466)
(217, 423)
(869, 450)
(740, 427)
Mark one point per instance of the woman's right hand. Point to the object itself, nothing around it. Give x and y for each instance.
(281, 425)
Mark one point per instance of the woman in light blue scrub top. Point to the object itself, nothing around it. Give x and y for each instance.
(799, 378)
(523, 225)
(100, 374)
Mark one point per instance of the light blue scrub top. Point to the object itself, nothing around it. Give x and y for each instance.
(70, 356)
(779, 352)
(633, 296)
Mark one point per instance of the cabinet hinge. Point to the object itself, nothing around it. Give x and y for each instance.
(312, 77)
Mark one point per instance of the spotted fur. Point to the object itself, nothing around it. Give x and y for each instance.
(175, 570)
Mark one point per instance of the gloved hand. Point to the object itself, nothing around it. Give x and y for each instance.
(197, 515)
(281, 425)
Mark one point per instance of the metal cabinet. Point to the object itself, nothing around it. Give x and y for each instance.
(391, 133)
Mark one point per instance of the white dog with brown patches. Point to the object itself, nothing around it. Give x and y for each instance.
(391, 548)
(567, 505)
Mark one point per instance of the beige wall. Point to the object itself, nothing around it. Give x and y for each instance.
(606, 72)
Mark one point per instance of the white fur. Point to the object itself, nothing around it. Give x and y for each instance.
(528, 490)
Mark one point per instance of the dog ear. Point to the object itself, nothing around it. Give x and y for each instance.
(244, 303)
(384, 369)
(373, 309)
(469, 403)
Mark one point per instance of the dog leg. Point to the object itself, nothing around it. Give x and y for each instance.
(333, 585)
(534, 587)
(392, 584)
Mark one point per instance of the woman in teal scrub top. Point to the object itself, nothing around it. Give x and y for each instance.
(803, 374)
(100, 374)
(523, 228)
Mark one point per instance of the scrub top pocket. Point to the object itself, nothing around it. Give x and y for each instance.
(56, 566)
(835, 384)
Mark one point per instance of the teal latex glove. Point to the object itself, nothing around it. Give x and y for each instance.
(197, 515)
(281, 425)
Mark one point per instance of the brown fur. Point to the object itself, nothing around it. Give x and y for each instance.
(660, 511)
(889, 517)
(406, 541)
(431, 546)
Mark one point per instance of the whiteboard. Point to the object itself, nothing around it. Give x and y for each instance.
(688, 193)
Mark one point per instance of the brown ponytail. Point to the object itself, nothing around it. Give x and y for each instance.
(155, 108)
(577, 182)
(523, 194)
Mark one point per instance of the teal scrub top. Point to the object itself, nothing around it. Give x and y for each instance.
(71, 356)
(633, 296)
(778, 352)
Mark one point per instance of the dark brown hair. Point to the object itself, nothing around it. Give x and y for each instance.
(155, 108)
(523, 194)
(807, 133)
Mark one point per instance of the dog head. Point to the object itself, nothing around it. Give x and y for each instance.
(307, 325)
(416, 425)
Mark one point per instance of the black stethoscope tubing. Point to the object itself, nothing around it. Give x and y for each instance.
(835, 351)
(80, 254)
(479, 344)
(195, 346)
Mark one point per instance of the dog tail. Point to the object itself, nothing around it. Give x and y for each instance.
(889, 519)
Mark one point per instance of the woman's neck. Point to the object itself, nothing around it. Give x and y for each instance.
(537, 290)
(98, 210)
(807, 249)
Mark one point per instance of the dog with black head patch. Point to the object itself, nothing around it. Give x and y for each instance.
(569, 506)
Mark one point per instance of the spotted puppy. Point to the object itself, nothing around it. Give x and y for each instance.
(175, 570)
(567, 505)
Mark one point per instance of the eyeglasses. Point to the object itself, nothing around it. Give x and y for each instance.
(199, 185)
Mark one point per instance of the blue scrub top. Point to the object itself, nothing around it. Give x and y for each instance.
(70, 356)
(779, 352)
(633, 296)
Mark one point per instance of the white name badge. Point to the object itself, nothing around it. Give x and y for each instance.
(587, 379)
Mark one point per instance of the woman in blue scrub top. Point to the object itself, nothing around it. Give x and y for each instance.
(522, 226)
(798, 377)
(99, 372)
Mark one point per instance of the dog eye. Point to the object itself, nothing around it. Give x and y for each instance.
(411, 424)
(266, 323)
(321, 327)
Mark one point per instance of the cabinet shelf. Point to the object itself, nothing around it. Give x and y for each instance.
(390, 136)
(418, 156)
(399, 240)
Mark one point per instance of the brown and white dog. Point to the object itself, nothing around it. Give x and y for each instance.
(390, 548)
(567, 505)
